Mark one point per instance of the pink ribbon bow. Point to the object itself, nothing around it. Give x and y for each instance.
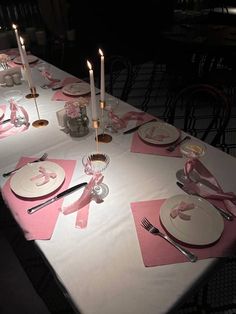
(158, 137)
(179, 209)
(14, 107)
(82, 204)
(214, 192)
(121, 123)
(45, 174)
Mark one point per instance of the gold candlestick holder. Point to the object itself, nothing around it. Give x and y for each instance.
(96, 125)
(103, 137)
(33, 93)
(39, 122)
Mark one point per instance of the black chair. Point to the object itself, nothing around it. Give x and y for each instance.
(202, 111)
(118, 76)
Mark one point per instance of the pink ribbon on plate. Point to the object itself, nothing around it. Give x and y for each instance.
(44, 174)
(121, 123)
(158, 137)
(82, 204)
(215, 192)
(179, 209)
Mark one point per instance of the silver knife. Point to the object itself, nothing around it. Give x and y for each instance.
(5, 121)
(55, 198)
(226, 215)
(137, 127)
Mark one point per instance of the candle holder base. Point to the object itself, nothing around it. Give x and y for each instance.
(40, 123)
(104, 138)
(29, 96)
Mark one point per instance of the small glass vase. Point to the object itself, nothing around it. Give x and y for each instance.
(78, 126)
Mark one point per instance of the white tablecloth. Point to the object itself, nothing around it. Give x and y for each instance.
(101, 266)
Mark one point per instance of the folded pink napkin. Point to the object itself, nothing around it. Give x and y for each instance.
(58, 95)
(156, 251)
(213, 192)
(82, 204)
(41, 224)
(139, 146)
(8, 128)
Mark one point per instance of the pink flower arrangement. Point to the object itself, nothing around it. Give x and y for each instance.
(3, 60)
(73, 107)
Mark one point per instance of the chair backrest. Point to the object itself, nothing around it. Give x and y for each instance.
(119, 76)
(202, 111)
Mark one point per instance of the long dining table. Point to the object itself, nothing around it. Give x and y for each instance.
(101, 265)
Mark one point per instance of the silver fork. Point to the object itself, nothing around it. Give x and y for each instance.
(146, 224)
(42, 158)
(172, 147)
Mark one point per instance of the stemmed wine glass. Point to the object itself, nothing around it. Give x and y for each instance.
(94, 164)
(190, 149)
(15, 96)
(47, 73)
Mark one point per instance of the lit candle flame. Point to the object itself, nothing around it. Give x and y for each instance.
(22, 41)
(89, 65)
(100, 51)
(14, 26)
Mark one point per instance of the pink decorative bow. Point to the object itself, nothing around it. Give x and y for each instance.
(121, 123)
(179, 209)
(45, 174)
(82, 204)
(158, 137)
(215, 192)
(14, 107)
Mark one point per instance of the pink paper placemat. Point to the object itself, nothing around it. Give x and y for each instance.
(59, 96)
(41, 224)
(139, 146)
(156, 251)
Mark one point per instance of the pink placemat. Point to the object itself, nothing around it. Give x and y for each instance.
(59, 96)
(41, 224)
(8, 129)
(156, 251)
(139, 146)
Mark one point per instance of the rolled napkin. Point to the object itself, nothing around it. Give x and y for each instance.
(213, 192)
(82, 204)
(40, 225)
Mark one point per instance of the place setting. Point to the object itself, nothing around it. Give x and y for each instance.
(34, 191)
(157, 137)
(181, 228)
(196, 224)
(70, 88)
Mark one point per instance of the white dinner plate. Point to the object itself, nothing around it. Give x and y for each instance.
(159, 133)
(204, 227)
(31, 59)
(22, 184)
(1, 113)
(76, 89)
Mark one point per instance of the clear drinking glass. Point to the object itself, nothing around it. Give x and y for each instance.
(190, 149)
(16, 96)
(94, 164)
(46, 71)
(112, 104)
